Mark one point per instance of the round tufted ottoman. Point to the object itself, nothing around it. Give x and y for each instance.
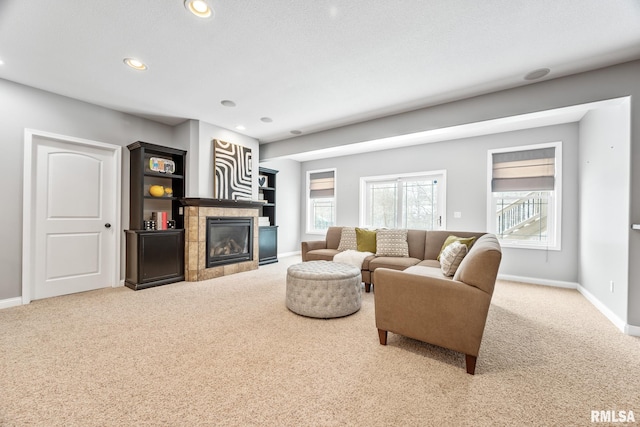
(323, 289)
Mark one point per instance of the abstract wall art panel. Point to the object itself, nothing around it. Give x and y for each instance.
(231, 171)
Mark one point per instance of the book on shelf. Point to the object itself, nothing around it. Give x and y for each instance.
(161, 218)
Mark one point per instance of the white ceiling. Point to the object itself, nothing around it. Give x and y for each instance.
(309, 65)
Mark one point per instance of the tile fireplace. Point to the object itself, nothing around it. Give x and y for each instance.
(233, 241)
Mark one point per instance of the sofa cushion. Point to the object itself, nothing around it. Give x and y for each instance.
(367, 260)
(348, 239)
(467, 241)
(422, 270)
(395, 263)
(392, 243)
(429, 263)
(451, 257)
(322, 254)
(366, 240)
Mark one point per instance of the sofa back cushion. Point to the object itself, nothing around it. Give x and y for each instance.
(479, 267)
(333, 237)
(416, 240)
(435, 239)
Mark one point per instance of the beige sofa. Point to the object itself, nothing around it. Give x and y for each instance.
(415, 299)
(424, 248)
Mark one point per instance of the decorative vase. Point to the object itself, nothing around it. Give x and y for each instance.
(156, 190)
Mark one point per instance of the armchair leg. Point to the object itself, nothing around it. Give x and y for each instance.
(367, 287)
(471, 364)
(383, 336)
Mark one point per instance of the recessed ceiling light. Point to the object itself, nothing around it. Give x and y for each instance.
(296, 132)
(537, 74)
(240, 127)
(228, 103)
(136, 64)
(1, 62)
(266, 119)
(200, 8)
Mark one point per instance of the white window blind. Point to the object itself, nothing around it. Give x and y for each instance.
(527, 170)
(321, 200)
(321, 184)
(525, 201)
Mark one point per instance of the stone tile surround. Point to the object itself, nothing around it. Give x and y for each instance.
(195, 260)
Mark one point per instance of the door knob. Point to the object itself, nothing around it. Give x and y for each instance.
(107, 225)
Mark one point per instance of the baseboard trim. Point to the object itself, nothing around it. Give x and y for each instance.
(10, 302)
(613, 318)
(624, 327)
(536, 281)
(632, 330)
(286, 254)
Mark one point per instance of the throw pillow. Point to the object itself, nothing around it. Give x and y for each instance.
(392, 243)
(366, 240)
(348, 239)
(467, 241)
(451, 257)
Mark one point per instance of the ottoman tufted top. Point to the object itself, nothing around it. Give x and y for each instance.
(321, 270)
(323, 289)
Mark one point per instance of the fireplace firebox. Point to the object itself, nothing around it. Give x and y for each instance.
(229, 240)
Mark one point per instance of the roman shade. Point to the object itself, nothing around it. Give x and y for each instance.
(321, 184)
(527, 170)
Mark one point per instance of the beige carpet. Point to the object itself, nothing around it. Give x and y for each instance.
(228, 352)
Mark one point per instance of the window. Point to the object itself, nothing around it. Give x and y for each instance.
(413, 201)
(524, 193)
(321, 200)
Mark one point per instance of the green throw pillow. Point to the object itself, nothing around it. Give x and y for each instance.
(366, 240)
(467, 241)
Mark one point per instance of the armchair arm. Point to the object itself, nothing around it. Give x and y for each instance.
(311, 245)
(439, 311)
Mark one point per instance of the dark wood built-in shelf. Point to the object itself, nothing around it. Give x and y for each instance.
(268, 236)
(154, 257)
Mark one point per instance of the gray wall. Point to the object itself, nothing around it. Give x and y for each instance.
(607, 83)
(23, 107)
(604, 205)
(465, 161)
(200, 173)
(288, 201)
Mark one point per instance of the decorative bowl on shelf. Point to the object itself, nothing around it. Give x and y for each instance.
(168, 191)
(157, 190)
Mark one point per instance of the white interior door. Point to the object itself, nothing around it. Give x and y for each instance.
(75, 217)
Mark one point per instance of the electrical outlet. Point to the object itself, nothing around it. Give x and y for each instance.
(611, 286)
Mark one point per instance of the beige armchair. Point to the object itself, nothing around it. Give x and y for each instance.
(422, 304)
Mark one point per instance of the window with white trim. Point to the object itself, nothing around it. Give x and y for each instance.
(415, 201)
(524, 196)
(321, 200)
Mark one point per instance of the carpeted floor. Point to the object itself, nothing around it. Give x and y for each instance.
(227, 352)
